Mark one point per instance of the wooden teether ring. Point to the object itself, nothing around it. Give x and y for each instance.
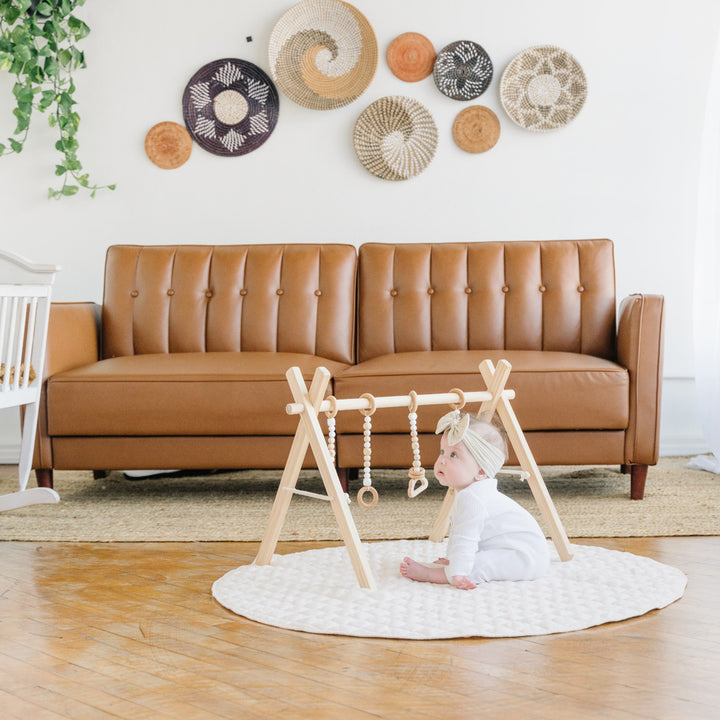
(332, 412)
(413, 402)
(461, 395)
(373, 500)
(371, 399)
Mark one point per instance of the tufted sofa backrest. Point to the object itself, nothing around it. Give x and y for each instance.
(545, 295)
(197, 298)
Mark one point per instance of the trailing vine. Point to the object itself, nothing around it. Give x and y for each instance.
(38, 45)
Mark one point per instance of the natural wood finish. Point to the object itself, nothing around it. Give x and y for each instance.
(309, 402)
(310, 432)
(130, 630)
(498, 401)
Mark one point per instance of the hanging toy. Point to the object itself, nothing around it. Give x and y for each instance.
(330, 415)
(367, 452)
(460, 405)
(416, 473)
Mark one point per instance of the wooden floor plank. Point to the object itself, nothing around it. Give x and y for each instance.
(131, 630)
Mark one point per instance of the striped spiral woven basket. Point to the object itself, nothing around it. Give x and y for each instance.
(323, 54)
(395, 138)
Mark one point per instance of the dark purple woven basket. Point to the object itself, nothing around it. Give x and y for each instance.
(230, 107)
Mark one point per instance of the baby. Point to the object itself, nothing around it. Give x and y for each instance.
(491, 536)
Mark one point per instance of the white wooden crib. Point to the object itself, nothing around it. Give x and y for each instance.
(24, 313)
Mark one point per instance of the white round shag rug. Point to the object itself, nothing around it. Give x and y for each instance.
(317, 591)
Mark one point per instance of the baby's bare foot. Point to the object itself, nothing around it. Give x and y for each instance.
(413, 570)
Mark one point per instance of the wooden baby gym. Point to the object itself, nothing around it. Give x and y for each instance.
(309, 403)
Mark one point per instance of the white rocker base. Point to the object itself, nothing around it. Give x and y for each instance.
(33, 496)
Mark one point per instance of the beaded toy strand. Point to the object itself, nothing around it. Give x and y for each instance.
(416, 473)
(330, 415)
(367, 452)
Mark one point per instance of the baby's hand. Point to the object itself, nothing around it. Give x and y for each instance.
(442, 561)
(463, 582)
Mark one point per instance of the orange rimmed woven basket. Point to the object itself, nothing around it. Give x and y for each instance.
(411, 57)
(476, 129)
(168, 145)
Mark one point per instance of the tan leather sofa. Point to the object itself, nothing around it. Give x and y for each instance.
(183, 365)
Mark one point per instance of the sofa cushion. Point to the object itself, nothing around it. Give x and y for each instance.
(554, 390)
(297, 298)
(214, 393)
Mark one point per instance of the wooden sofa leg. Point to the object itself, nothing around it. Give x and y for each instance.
(99, 474)
(638, 475)
(344, 477)
(44, 477)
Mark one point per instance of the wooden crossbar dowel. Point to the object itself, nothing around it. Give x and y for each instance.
(389, 401)
(307, 493)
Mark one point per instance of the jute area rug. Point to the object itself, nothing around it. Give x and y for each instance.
(234, 506)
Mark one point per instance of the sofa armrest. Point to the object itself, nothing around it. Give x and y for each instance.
(73, 340)
(73, 336)
(640, 351)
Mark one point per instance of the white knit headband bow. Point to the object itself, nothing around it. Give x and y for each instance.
(457, 425)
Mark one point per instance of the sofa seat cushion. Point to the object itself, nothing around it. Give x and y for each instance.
(554, 390)
(204, 393)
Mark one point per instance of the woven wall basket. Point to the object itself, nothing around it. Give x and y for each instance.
(543, 88)
(463, 70)
(168, 145)
(411, 57)
(395, 138)
(476, 129)
(323, 54)
(230, 107)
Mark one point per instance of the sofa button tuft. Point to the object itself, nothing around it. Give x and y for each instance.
(318, 293)
(208, 293)
(468, 291)
(394, 292)
(542, 288)
(243, 291)
(505, 289)
(170, 292)
(431, 291)
(134, 293)
(581, 288)
(279, 291)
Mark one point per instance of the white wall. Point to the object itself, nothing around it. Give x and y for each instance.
(626, 168)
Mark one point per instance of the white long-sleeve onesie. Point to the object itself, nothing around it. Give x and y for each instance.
(493, 538)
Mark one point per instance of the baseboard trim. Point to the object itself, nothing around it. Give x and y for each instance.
(9, 453)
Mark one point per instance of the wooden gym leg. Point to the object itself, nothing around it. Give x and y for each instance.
(638, 475)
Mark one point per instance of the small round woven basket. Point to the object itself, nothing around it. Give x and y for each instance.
(168, 145)
(476, 129)
(323, 54)
(543, 88)
(411, 57)
(463, 70)
(230, 107)
(395, 138)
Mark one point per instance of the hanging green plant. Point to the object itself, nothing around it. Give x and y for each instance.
(38, 45)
